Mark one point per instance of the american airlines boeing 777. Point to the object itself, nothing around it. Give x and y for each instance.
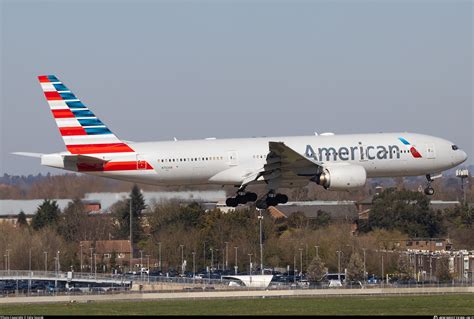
(336, 162)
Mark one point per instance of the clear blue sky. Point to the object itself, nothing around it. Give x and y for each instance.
(152, 70)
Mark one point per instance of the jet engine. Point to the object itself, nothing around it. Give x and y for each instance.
(341, 177)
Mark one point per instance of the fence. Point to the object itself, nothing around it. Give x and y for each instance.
(22, 282)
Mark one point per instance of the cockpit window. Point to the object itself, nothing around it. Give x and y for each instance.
(454, 147)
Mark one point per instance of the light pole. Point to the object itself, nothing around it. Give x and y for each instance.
(81, 257)
(5, 261)
(365, 278)
(212, 259)
(217, 258)
(95, 265)
(301, 262)
(30, 261)
(91, 249)
(159, 255)
(416, 265)
(317, 251)
(339, 265)
(226, 254)
(250, 267)
(431, 269)
(204, 256)
(148, 267)
(194, 264)
(141, 264)
(45, 261)
(236, 267)
(382, 267)
(8, 260)
(294, 269)
(260, 218)
(59, 263)
(182, 259)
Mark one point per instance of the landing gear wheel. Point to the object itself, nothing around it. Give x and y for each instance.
(232, 202)
(281, 198)
(242, 199)
(271, 201)
(251, 197)
(429, 191)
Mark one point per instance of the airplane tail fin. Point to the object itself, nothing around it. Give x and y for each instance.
(82, 131)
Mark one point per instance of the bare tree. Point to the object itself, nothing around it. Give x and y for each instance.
(355, 269)
(316, 269)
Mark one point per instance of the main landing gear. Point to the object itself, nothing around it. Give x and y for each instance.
(271, 199)
(429, 190)
(241, 198)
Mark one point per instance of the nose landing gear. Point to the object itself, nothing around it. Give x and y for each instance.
(429, 190)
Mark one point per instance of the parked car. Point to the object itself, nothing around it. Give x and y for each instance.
(156, 273)
(334, 283)
(373, 280)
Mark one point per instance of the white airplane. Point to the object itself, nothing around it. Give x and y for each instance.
(336, 162)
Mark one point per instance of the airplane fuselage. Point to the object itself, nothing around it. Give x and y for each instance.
(198, 161)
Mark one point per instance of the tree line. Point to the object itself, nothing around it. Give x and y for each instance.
(293, 242)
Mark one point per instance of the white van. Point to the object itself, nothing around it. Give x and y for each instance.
(334, 283)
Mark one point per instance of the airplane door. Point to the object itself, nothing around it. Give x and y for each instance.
(232, 158)
(430, 151)
(141, 163)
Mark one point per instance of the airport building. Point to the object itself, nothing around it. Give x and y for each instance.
(105, 253)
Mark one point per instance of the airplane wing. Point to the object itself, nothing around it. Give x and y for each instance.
(285, 166)
(287, 157)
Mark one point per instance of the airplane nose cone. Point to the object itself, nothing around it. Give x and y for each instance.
(463, 157)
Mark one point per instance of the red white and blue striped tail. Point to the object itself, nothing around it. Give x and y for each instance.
(82, 131)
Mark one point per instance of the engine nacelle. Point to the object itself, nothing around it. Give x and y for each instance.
(342, 177)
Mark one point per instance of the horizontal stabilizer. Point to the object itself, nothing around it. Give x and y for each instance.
(37, 155)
